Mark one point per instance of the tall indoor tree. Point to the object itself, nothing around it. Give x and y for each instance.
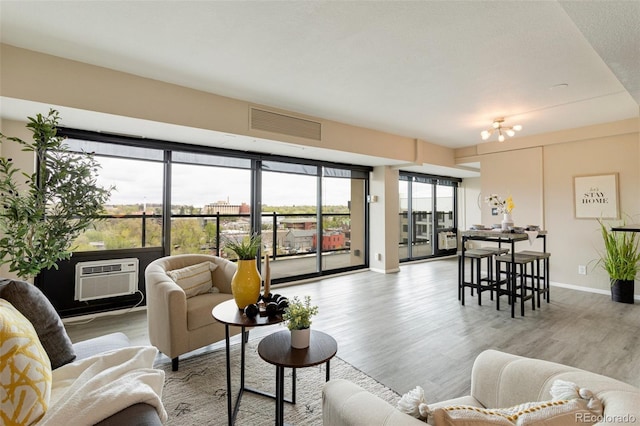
(43, 212)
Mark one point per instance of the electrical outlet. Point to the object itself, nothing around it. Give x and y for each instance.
(582, 270)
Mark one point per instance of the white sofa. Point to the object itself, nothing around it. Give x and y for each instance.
(498, 380)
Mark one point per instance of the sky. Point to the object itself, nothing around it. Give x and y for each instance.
(141, 182)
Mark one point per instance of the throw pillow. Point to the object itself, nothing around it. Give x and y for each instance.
(195, 279)
(548, 413)
(25, 370)
(33, 304)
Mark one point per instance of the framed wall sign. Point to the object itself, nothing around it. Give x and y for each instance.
(596, 196)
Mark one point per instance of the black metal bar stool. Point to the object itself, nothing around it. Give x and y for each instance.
(543, 276)
(476, 282)
(495, 251)
(516, 280)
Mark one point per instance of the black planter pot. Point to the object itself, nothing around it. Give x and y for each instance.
(622, 290)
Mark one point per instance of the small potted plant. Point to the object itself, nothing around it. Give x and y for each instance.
(245, 284)
(620, 259)
(298, 318)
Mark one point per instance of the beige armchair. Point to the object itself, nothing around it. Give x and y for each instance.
(179, 324)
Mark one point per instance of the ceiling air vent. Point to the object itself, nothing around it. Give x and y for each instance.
(285, 124)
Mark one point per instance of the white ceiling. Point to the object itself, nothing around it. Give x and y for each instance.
(440, 71)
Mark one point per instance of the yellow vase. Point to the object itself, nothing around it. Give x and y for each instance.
(245, 284)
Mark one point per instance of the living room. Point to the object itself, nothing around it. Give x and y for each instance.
(566, 134)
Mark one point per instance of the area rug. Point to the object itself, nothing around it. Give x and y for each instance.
(196, 394)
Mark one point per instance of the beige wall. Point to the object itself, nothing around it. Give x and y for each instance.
(470, 205)
(56, 81)
(383, 235)
(519, 174)
(579, 239)
(538, 172)
(8, 149)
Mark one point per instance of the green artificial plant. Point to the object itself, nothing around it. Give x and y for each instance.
(246, 248)
(42, 213)
(298, 314)
(621, 255)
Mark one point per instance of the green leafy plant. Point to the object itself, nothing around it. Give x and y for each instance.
(245, 248)
(621, 255)
(298, 314)
(42, 213)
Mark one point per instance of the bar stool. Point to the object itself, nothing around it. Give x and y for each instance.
(519, 290)
(541, 257)
(476, 256)
(495, 251)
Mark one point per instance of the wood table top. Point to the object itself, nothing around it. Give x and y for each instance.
(229, 313)
(276, 349)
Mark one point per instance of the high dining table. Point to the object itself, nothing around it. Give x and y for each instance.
(502, 237)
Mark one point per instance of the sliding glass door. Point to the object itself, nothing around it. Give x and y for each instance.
(427, 221)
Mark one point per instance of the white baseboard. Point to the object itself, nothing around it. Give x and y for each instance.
(587, 289)
(385, 271)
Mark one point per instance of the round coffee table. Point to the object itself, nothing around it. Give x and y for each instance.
(228, 314)
(276, 349)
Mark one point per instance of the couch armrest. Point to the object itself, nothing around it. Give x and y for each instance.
(166, 312)
(135, 415)
(499, 379)
(346, 404)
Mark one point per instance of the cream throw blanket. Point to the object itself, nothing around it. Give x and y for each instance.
(88, 391)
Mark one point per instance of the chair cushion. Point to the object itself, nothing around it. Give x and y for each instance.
(34, 305)
(199, 309)
(194, 279)
(25, 370)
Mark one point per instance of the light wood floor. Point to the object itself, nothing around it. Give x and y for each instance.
(409, 329)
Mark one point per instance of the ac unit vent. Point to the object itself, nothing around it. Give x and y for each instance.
(285, 124)
(106, 278)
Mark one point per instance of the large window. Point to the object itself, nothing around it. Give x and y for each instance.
(133, 214)
(180, 199)
(210, 196)
(343, 219)
(317, 227)
(290, 200)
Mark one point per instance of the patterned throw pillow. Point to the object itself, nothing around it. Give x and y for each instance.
(548, 413)
(195, 279)
(25, 370)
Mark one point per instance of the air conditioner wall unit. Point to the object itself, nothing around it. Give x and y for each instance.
(106, 278)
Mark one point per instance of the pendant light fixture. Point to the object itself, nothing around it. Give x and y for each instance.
(498, 127)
